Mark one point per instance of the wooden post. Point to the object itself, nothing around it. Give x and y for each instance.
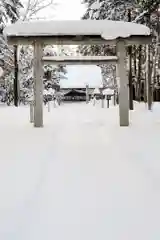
(54, 103)
(87, 94)
(118, 85)
(117, 78)
(15, 83)
(113, 98)
(49, 109)
(115, 85)
(123, 89)
(38, 84)
(31, 112)
(108, 103)
(102, 102)
(145, 79)
(115, 94)
(94, 101)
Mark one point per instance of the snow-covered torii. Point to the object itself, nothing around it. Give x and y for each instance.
(119, 34)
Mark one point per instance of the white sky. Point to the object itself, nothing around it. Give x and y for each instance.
(78, 76)
(69, 10)
(62, 10)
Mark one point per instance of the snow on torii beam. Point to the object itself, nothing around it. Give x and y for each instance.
(78, 60)
(78, 32)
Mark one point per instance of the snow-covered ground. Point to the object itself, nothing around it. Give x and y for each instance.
(81, 177)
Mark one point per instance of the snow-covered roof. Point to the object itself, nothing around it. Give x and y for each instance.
(96, 91)
(108, 91)
(106, 29)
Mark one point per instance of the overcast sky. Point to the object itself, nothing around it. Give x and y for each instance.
(69, 10)
(62, 10)
(79, 76)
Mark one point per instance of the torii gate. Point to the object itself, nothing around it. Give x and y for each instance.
(87, 32)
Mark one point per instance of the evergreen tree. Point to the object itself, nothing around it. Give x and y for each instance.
(9, 12)
(12, 9)
(142, 11)
(110, 10)
(52, 74)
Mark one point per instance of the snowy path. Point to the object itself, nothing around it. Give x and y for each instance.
(86, 179)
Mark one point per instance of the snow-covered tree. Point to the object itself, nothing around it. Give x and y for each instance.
(12, 9)
(142, 11)
(33, 9)
(108, 9)
(52, 73)
(9, 13)
(111, 10)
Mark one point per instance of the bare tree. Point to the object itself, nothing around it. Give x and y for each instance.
(33, 9)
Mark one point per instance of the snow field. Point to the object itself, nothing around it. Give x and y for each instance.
(81, 176)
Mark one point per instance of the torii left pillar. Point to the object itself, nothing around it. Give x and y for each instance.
(38, 84)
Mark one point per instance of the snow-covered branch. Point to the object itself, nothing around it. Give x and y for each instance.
(140, 16)
(150, 10)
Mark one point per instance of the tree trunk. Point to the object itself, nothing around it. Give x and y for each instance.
(155, 60)
(115, 85)
(135, 61)
(148, 72)
(130, 70)
(15, 85)
(158, 39)
(139, 73)
(135, 69)
(130, 79)
(145, 79)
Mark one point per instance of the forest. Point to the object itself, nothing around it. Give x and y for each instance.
(143, 62)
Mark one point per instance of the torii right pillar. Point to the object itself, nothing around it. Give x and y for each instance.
(38, 84)
(123, 85)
